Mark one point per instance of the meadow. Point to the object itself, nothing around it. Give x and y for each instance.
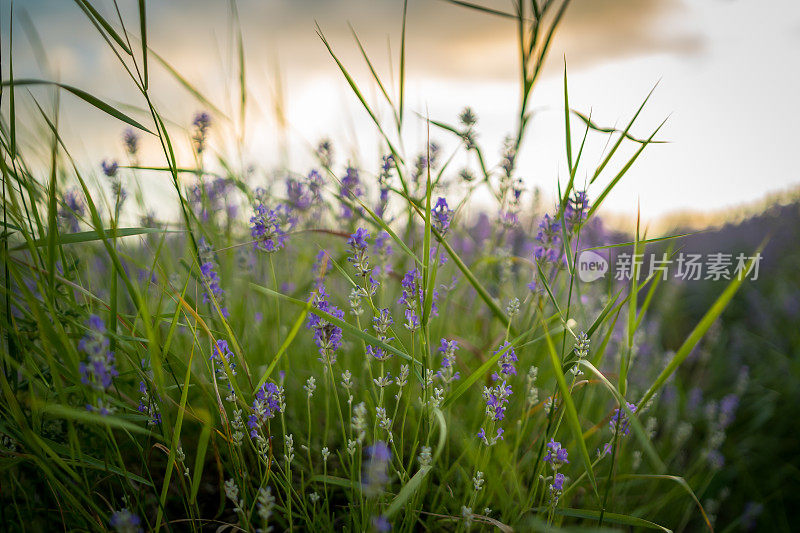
(356, 347)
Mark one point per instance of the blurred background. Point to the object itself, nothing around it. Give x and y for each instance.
(725, 72)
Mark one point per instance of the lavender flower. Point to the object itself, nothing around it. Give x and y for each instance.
(425, 161)
(381, 524)
(314, 183)
(382, 322)
(581, 352)
(619, 422)
(382, 250)
(576, 209)
(509, 156)
(376, 470)
(148, 406)
(269, 401)
(201, 123)
(556, 488)
(358, 252)
(506, 361)
(413, 297)
(556, 455)
(442, 215)
(215, 196)
(448, 373)
(325, 153)
(99, 369)
(605, 450)
(548, 239)
(727, 410)
(496, 400)
(327, 336)
(383, 180)
(299, 194)
(349, 190)
(131, 141)
(509, 213)
(493, 440)
(269, 227)
(208, 269)
(109, 168)
(558, 482)
(221, 355)
(71, 210)
(124, 521)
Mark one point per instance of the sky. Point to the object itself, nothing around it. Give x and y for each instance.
(725, 73)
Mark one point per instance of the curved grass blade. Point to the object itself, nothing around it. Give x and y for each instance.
(483, 9)
(591, 125)
(645, 241)
(614, 518)
(621, 173)
(680, 481)
(82, 415)
(90, 236)
(83, 95)
(624, 133)
(96, 17)
(407, 491)
(336, 481)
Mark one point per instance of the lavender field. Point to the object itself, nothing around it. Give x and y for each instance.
(424, 338)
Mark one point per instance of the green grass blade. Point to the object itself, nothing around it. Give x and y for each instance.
(681, 482)
(83, 95)
(621, 173)
(408, 490)
(623, 136)
(286, 343)
(402, 86)
(591, 125)
(361, 99)
(95, 16)
(91, 236)
(614, 518)
(143, 33)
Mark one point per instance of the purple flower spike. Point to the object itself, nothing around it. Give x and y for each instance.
(442, 215)
(268, 227)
